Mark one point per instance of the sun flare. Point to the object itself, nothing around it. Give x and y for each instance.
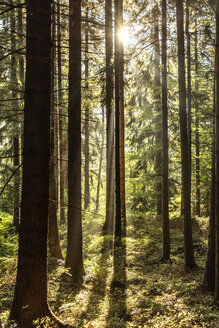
(124, 35)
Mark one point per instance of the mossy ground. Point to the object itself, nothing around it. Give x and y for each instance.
(137, 290)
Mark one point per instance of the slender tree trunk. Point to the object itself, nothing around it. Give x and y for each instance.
(87, 109)
(157, 102)
(165, 190)
(197, 143)
(74, 258)
(189, 97)
(54, 242)
(186, 196)
(30, 296)
(119, 124)
(217, 159)
(60, 121)
(110, 156)
(15, 106)
(209, 275)
(100, 166)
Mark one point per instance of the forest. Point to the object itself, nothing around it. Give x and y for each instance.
(109, 163)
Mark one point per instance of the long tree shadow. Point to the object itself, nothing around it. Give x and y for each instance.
(117, 315)
(99, 284)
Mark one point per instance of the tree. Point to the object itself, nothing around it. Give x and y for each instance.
(54, 242)
(86, 123)
(30, 296)
(186, 196)
(165, 187)
(74, 258)
(110, 185)
(157, 102)
(217, 159)
(119, 125)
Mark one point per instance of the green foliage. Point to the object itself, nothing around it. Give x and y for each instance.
(8, 237)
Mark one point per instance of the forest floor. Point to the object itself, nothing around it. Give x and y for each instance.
(145, 293)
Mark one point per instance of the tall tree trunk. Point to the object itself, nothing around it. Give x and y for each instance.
(119, 126)
(209, 275)
(197, 143)
(165, 190)
(189, 97)
(74, 258)
(186, 196)
(217, 159)
(100, 165)
(110, 156)
(60, 122)
(54, 242)
(30, 296)
(87, 109)
(157, 102)
(15, 106)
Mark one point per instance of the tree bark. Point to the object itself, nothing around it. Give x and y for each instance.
(197, 142)
(54, 242)
(110, 156)
(100, 165)
(15, 106)
(30, 296)
(87, 109)
(157, 102)
(60, 121)
(165, 190)
(186, 196)
(74, 258)
(189, 96)
(217, 159)
(209, 275)
(119, 126)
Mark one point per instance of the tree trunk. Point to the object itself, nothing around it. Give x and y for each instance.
(186, 196)
(54, 242)
(209, 275)
(189, 97)
(60, 121)
(30, 296)
(110, 156)
(165, 190)
(100, 166)
(14, 103)
(157, 102)
(87, 109)
(217, 159)
(74, 259)
(119, 126)
(197, 143)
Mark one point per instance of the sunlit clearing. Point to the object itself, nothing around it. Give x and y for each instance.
(124, 36)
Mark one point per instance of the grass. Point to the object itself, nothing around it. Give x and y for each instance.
(136, 290)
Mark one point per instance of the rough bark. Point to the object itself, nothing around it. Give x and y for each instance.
(110, 156)
(189, 97)
(15, 106)
(60, 121)
(197, 142)
(209, 275)
(86, 124)
(165, 190)
(186, 196)
(119, 126)
(74, 258)
(54, 242)
(30, 297)
(217, 159)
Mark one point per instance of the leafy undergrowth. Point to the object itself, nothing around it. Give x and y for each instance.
(144, 293)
